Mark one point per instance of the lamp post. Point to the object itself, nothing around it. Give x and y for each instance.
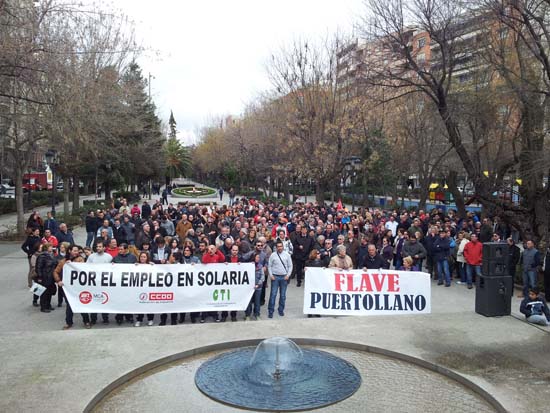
(352, 167)
(52, 160)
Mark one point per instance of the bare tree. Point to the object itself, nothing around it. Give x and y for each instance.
(317, 110)
(395, 66)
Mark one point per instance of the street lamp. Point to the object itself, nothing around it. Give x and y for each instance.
(52, 159)
(352, 167)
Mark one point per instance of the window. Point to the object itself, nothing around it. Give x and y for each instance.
(421, 42)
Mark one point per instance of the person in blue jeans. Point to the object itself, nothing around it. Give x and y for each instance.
(255, 299)
(441, 251)
(531, 261)
(91, 228)
(280, 268)
(534, 308)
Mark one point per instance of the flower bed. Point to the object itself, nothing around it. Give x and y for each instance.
(192, 192)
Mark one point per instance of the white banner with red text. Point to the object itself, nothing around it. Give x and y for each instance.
(332, 291)
(158, 288)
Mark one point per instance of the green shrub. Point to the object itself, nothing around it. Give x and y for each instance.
(129, 196)
(7, 205)
(71, 220)
(39, 198)
(91, 205)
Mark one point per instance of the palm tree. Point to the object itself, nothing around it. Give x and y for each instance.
(178, 161)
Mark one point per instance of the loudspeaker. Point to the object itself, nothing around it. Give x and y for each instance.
(495, 250)
(495, 259)
(494, 295)
(494, 268)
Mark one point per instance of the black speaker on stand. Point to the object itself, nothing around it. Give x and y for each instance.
(494, 288)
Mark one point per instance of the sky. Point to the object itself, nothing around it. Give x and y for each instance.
(208, 57)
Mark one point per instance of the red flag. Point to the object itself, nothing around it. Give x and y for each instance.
(339, 207)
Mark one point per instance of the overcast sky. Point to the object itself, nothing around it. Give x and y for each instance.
(212, 53)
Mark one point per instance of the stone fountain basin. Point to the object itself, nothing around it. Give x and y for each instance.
(392, 382)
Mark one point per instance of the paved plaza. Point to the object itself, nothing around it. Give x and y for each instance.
(49, 370)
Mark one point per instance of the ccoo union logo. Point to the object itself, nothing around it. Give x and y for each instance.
(156, 297)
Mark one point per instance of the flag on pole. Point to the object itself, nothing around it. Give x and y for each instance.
(339, 207)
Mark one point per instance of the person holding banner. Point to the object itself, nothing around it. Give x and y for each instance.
(143, 260)
(72, 256)
(373, 260)
(315, 259)
(233, 257)
(408, 265)
(124, 255)
(100, 257)
(260, 269)
(341, 259)
(186, 258)
(280, 268)
(212, 256)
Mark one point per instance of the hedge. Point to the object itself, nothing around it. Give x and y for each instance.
(41, 198)
(131, 197)
(187, 192)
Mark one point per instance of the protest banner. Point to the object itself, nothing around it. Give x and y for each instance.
(159, 288)
(332, 291)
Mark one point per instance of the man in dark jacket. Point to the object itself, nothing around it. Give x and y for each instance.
(441, 252)
(145, 210)
(302, 245)
(64, 235)
(124, 255)
(91, 228)
(361, 252)
(50, 223)
(119, 233)
(45, 265)
(30, 246)
(373, 260)
(414, 249)
(514, 255)
(428, 245)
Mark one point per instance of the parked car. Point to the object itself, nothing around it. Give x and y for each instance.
(7, 191)
(60, 186)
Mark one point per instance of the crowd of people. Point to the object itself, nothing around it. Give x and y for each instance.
(280, 240)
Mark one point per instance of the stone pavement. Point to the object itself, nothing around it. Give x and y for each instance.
(46, 369)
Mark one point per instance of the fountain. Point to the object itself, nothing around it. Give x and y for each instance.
(277, 376)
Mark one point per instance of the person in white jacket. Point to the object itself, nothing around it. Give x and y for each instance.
(461, 240)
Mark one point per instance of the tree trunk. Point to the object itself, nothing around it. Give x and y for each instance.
(423, 194)
(66, 193)
(287, 190)
(107, 186)
(457, 195)
(76, 195)
(271, 189)
(320, 192)
(19, 199)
